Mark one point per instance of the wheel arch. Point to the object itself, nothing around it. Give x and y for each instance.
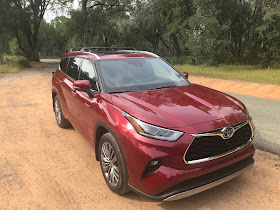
(100, 129)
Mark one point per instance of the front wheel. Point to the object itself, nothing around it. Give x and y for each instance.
(112, 164)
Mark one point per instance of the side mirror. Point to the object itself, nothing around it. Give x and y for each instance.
(83, 85)
(185, 74)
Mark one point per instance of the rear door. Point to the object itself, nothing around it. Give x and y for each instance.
(60, 76)
(72, 74)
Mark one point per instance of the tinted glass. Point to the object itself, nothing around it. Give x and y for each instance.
(88, 73)
(73, 68)
(139, 74)
(63, 64)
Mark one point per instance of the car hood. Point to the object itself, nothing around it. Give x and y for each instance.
(178, 106)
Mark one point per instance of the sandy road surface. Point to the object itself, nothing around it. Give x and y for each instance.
(45, 167)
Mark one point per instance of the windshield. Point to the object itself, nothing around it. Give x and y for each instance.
(138, 74)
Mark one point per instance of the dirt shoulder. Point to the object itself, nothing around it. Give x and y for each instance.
(45, 167)
(245, 88)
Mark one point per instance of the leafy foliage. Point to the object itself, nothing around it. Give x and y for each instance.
(184, 31)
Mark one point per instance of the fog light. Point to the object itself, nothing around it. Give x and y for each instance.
(151, 167)
(154, 162)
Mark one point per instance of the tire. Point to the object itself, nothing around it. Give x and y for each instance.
(112, 164)
(60, 119)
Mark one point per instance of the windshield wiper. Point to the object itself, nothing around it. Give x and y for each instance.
(163, 87)
(119, 92)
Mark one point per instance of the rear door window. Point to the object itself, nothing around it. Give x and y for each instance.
(88, 72)
(73, 68)
(63, 65)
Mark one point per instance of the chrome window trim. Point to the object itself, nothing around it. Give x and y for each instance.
(223, 154)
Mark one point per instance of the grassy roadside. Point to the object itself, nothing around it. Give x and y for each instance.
(235, 72)
(13, 64)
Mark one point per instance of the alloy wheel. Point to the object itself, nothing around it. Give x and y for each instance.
(57, 110)
(110, 164)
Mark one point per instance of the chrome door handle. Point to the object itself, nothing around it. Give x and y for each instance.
(87, 105)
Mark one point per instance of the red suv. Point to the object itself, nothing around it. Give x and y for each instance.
(153, 131)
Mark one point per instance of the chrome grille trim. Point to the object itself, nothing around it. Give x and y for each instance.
(220, 133)
(217, 134)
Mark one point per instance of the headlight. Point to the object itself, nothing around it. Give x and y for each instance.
(152, 131)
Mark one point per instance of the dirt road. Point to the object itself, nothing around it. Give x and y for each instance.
(241, 87)
(45, 167)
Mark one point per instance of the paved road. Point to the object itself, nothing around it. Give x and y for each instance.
(45, 167)
(266, 116)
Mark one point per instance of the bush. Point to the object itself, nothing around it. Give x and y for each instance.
(13, 63)
(12, 60)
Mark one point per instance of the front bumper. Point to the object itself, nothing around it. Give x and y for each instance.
(139, 151)
(202, 183)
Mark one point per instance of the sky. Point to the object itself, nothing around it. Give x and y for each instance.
(50, 15)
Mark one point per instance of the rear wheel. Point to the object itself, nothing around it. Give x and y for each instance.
(60, 119)
(112, 164)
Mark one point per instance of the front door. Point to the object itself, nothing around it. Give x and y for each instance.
(83, 104)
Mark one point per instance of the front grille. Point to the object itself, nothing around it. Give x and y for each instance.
(208, 146)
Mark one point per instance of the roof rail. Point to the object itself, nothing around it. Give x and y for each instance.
(141, 52)
(105, 49)
(79, 49)
(94, 50)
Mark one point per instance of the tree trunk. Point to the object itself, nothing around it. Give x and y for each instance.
(176, 45)
(1, 50)
(85, 23)
(35, 54)
(35, 47)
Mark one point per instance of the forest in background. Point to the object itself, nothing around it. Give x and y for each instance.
(196, 32)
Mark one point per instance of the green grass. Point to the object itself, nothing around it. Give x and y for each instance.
(13, 64)
(234, 72)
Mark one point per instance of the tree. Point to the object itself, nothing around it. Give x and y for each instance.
(2, 28)
(269, 34)
(206, 40)
(86, 4)
(27, 16)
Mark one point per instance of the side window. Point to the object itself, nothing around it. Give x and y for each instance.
(63, 65)
(73, 68)
(88, 73)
